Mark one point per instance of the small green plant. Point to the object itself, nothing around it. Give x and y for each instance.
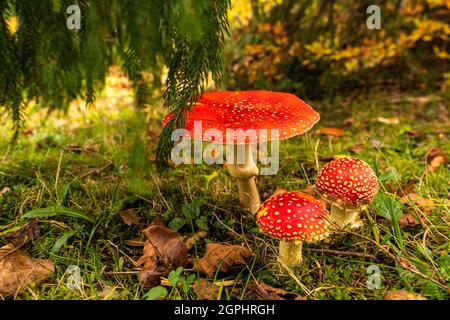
(156, 293)
(178, 280)
(192, 215)
(390, 208)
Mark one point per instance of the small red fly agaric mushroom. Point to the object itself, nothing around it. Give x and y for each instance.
(293, 217)
(349, 184)
(242, 119)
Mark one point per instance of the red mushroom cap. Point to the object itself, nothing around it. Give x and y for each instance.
(294, 216)
(247, 110)
(348, 181)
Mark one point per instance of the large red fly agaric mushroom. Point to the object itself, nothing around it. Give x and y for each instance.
(293, 217)
(241, 119)
(349, 184)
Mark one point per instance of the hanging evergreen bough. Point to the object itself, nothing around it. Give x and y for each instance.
(44, 61)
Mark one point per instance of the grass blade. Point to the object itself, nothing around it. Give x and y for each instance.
(62, 241)
(55, 211)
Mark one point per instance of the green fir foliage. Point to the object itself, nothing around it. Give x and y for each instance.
(44, 61)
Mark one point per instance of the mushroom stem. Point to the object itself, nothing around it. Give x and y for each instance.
(343, 217)
(245, 174)
(291, 253)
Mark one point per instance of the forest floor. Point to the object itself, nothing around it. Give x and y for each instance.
(98, 164)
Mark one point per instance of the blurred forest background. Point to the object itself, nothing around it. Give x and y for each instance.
(317, 48)
(313, 48)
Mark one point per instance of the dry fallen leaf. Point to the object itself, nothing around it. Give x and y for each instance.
(5, 190)
(17, 269)
(402, 295)
(29, 232)
(108, 293)
(335, 132)
(163, 251)
(129, 217)
(413, 133)
(408, 219)
(388, 120)
(222, 257)
(206, 290)
(435, 158)
(424, 204)
(435, 163)
(135, 242)
(406, 188)
(348, 121)
(167, 243)
(153, 267)
(264, 291)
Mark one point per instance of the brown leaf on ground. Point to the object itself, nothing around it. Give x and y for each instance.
(17, 269)
(135, 242)
(413, 133)
(163, 251)
(406, 188)
(402, 295)
(264, 291)
(153, 267)
(348, 122)
(168, 244)
(195, 238)
(424, 204)
(388, 120)
(206, 290)
(109, 293)
(29, 232)
(92, 147)
(222, 257)
(4, 190)
(129, 217)
(435, 157)
(408, 219)
(335, 132)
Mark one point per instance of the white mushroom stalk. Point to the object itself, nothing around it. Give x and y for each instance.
(344, 217)
(290, 253)
(246, 175)
(348, 184)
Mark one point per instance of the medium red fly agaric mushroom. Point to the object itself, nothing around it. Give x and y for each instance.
(293, 217)
(349, 184)
(240, 120)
